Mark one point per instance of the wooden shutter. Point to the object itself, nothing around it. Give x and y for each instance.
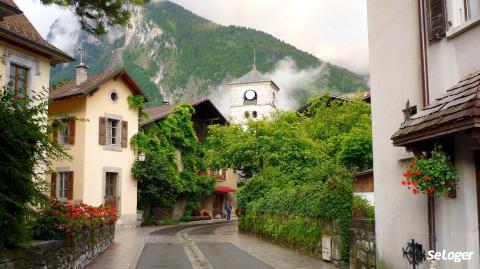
(102, 131)
(70, 186)
(436, 19)
(53, 185)
(55, 133)
(71, 132)
(224, 174)
(124, 134)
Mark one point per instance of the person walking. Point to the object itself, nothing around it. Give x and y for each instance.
(228, 210)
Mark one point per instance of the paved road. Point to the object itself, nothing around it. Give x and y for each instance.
(217, 246)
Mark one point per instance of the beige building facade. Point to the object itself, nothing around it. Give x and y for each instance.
(96, 125)
(452, 38)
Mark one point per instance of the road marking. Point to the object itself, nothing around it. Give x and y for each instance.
(196, 257)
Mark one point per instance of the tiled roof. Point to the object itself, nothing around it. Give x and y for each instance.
(161, 112)
(19, 29)
(456, 110)
(70, 88)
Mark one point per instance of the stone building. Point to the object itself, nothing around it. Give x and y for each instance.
(253, 96)
(424, 58)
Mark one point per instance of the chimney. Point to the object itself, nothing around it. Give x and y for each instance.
(82, 70)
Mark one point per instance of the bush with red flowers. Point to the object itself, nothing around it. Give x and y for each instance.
(66, 220)
(435, 174)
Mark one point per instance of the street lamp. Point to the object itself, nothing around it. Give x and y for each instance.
(141, 157)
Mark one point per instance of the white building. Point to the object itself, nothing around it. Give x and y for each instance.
(253, 96)
(419, 51)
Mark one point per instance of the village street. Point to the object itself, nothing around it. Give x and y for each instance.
(205, 245)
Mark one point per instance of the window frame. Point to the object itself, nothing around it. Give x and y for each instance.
(109, 134)
(16, 58)
(15, 78)
(111, 186)
(64, 133)
(466, 21)
(62, 176)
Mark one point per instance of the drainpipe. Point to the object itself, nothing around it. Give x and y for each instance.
(432, 264)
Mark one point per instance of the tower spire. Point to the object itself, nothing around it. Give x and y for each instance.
(254, 59)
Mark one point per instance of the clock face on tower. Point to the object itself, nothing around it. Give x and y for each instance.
(250, 95)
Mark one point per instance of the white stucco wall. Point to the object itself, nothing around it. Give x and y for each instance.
(266, 103)
(395, 78)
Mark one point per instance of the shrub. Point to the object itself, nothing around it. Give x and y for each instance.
(329, 201)
(67, 220)
(26, 153)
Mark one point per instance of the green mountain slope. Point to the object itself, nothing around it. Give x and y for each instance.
(177, 55)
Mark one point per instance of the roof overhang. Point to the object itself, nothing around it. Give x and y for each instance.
(195, 104)
(8, 10)
(457, 111)
(426, 135)
(55, 56)
(120, 73)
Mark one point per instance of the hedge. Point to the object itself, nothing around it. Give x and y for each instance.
(303, 206)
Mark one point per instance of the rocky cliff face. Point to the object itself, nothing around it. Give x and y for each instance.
(176, 55)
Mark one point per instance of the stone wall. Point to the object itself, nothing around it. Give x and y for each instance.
(362, 244)
(69, 253)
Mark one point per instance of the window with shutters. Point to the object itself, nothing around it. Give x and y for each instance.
(63, 185)
(65, 134)
(113, 132)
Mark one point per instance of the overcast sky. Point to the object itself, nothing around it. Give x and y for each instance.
(333, 30)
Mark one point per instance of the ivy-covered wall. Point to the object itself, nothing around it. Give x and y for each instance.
(74, 253)
(301, 234)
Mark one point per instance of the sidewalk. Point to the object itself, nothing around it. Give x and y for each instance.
(122, 254)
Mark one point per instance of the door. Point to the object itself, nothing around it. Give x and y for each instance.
(218, 203)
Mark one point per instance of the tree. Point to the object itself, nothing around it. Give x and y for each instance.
(26, 153)
(95, 16)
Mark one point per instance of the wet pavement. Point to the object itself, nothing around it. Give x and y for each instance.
(203, 245)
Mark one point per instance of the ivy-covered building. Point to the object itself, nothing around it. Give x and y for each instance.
(205, 114)
(96, 123)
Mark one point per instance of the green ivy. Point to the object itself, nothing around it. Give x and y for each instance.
(138, 102)
(160, 183)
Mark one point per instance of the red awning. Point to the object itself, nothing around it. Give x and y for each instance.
(224, 189)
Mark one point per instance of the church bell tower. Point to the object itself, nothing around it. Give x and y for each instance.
(253, 97)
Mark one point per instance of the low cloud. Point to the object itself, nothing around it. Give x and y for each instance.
(65, 32)
(290, 79)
